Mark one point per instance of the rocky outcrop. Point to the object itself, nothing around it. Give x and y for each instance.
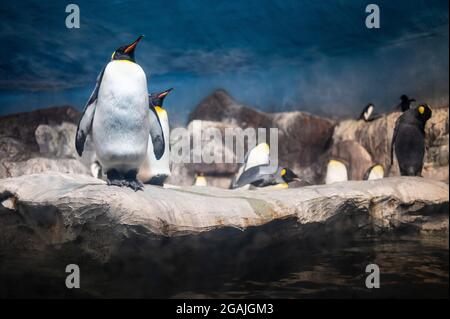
(163, 241)
(71, 204)
(39, 141)
(22, 127)
(376, 138)
(304, 139)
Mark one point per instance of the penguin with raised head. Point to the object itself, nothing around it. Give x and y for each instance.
(368, 113)
(408, 140)
(336, 172)
(405, 103)
(155, 170)
(117, 118)
(374, 172)
(257, 176)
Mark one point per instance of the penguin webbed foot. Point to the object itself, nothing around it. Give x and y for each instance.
(114, 178)
(132, 181)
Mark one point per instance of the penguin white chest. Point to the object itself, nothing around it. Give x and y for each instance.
(121, 121)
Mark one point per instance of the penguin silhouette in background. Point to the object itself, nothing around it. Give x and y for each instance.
(156, 166)
(408, 140)
(405, 103)
(374, 172)
(336, 172)
(200, 180)
(117, 117)
(368, 113)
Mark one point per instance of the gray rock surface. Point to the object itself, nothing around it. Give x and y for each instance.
(169, 242)
(304, 139)
(69, 204)
(376, 137)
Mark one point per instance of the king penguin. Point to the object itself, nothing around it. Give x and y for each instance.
(256, 176)
(336, 172)
(258, 155)
(408, 140)
(200, 180)
(117, 117)
(405, 103)
(374, 172)
(155, 168)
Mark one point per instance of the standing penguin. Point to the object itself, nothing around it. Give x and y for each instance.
(156, 166)
(408, 140)
(117, 117)
(405, 103)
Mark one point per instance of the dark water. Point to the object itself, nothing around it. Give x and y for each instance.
(260, 266)
(411, 267)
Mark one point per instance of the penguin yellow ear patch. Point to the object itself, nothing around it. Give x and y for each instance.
(283, 172)
(421, 109)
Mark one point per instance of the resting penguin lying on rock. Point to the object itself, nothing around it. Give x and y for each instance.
(257, 176)
(258, 155)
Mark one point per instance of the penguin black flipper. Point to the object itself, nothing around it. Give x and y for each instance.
(156, 133)
(85, 124)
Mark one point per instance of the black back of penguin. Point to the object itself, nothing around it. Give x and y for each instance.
(409, 140)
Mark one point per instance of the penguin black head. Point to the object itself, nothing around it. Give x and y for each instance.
(288, 175)
(424, 112)
(126, 52)
(405, 103)
(157, 99)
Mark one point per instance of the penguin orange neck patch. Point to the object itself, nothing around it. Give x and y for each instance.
(160, 111)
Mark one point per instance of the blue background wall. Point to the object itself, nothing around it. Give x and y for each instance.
(316, 56)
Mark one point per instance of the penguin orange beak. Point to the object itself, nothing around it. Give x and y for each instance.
(164, 94)
(133, 45)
